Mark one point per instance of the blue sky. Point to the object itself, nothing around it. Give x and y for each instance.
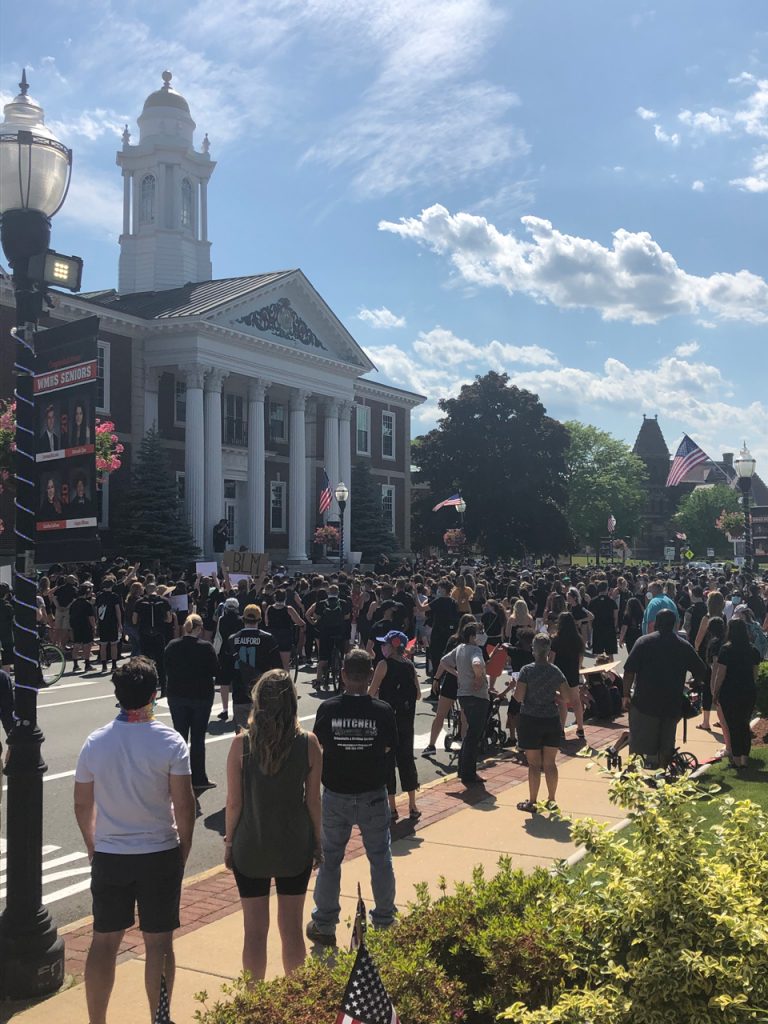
(572, 192)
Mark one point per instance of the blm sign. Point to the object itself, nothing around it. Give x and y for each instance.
(66, 393)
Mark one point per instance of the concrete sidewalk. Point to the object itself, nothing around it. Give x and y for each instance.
(459, 829)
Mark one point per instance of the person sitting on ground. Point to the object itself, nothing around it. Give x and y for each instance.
(541, 688)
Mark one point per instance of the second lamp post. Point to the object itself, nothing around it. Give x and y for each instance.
(342, 497)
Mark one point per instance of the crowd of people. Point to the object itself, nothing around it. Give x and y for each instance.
(293, 796)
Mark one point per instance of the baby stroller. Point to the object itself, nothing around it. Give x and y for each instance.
(494, 737)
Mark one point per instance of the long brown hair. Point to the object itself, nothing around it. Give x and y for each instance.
(273, 723)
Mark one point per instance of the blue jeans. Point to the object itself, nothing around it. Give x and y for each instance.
(476, 711)
(190, 719)
(133, 636)
(370, 812)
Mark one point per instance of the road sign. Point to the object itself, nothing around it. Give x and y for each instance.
(669, 554)
(710, 552)
(687, 554)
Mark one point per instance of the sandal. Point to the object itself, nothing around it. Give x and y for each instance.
(528, 806)
(706, 728)
(415, 814)
(580, 734)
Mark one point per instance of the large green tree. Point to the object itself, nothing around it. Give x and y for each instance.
(496, 444)
(604, 478)
(151, 523)
(371, 533)
(696, 515)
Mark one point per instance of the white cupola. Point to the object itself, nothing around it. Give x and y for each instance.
(164, 243)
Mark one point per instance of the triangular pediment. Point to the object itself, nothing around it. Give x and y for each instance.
(290, 312)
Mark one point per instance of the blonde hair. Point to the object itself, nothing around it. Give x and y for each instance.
(520, 613)
(191, 622)
(273, 723)
(252, 613)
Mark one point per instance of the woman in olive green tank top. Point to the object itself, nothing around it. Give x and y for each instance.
(273, 819)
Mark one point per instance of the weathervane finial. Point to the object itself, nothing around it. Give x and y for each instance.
(23, 84)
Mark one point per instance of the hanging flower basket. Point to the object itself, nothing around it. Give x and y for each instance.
(454, 539)
(731, 524)
(108, 448)
(327, 535)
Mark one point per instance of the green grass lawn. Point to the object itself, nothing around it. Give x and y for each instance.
(751, 785)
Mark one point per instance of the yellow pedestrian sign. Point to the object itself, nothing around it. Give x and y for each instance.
(687, 554)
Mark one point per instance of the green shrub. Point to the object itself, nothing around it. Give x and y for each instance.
(671, 928)
(761, 703)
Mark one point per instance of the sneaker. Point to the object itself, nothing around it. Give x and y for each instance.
(321, 938)
(223, 716)
(429, 751)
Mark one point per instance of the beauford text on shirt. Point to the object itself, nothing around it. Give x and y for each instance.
(354, 733)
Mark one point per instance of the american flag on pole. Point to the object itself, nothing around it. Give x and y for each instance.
(451, 502)
(366, 1001)
(163, 1012)
(687, 457)
(325, 494)
(611, 523)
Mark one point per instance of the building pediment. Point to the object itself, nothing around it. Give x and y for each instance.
(291, 313)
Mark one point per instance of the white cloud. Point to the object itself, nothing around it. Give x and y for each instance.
(708, 325)
(698, 185)
(690, 348)
(634, 280)
(441, 347)
(695, 395)
(94, 202)
(381, 319)
(662, 136)
(91, 125)
(646, 114)
(714, 122)
(758, 180)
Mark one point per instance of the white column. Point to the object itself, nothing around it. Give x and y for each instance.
(405, 441)
(297, 481)
(126, 202)
(331, 447)
(345, 468)
(151, 388)
(310, 424)
(214, 477)
(257, 469)
(204, 211)
(194, 453)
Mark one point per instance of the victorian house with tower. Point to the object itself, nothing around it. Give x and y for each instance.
(253, 383)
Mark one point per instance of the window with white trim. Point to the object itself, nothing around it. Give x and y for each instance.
(388, 435)
(102, 374)
(102, 503)
(187, 203)
(388, 505)
(363, 429)
(276, 422)
(147, 200)
(179, 402)
(277, 505)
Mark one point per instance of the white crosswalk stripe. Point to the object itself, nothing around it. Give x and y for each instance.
(76, 869)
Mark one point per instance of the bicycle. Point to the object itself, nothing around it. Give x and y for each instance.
(333, 672)
(294, 662)
(53, 661)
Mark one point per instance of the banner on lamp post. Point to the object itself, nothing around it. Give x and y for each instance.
(65, 399)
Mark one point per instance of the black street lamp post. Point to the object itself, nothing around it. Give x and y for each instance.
(745, 470)
(34, 178)
(342, 497)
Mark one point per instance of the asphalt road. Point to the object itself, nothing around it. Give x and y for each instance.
(76, 706)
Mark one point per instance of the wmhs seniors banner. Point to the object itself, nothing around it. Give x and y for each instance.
(66, 395)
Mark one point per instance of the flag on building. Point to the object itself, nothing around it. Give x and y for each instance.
(366, 1001)
(611, 523)
(451, 502)
(325, 494)
(681, 536)
(687, 457)
(163, 1012)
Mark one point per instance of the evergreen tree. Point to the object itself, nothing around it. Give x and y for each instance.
(151, 522)
(371, 533)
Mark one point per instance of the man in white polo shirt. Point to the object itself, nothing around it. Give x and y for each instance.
(136, 810)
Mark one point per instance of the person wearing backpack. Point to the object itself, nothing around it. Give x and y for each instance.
(395, 682)
(329, 615)
(151, 614)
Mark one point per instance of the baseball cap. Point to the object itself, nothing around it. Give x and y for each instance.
(232, 603)
(394, 637)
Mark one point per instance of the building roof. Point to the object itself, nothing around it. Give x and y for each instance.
(192, 299)
(166, 96)
(650, 441)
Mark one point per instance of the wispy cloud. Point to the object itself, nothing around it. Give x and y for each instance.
(94, 202)
(697, 185)
(634, 279)
(645, 114)
(381, 319)
(689, 348)
(662, 136)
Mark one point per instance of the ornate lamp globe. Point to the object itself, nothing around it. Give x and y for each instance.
(461, 507)
(342, 493)
(35, 171)
(745, 464)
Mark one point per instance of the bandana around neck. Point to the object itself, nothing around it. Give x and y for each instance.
(145, 714)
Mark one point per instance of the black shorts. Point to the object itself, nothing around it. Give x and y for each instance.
(449, 686)
(249, 888)
(120, 882)
(284, 639)
(535, 733)
(108, 632)
(325, 645)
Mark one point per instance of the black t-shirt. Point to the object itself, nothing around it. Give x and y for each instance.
(354, 732)
(80, 612)
(65, 595)
(739, 674)
(191, 667)
(249, 653)
(518, 657)
(331, 615)
(398, 688)
(660, 662)
(567, 657)
(107, 604)
(443, 616)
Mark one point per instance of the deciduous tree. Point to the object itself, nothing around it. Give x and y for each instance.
(697, 514)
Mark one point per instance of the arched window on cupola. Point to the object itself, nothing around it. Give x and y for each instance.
(147, 203)
(187, 203)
